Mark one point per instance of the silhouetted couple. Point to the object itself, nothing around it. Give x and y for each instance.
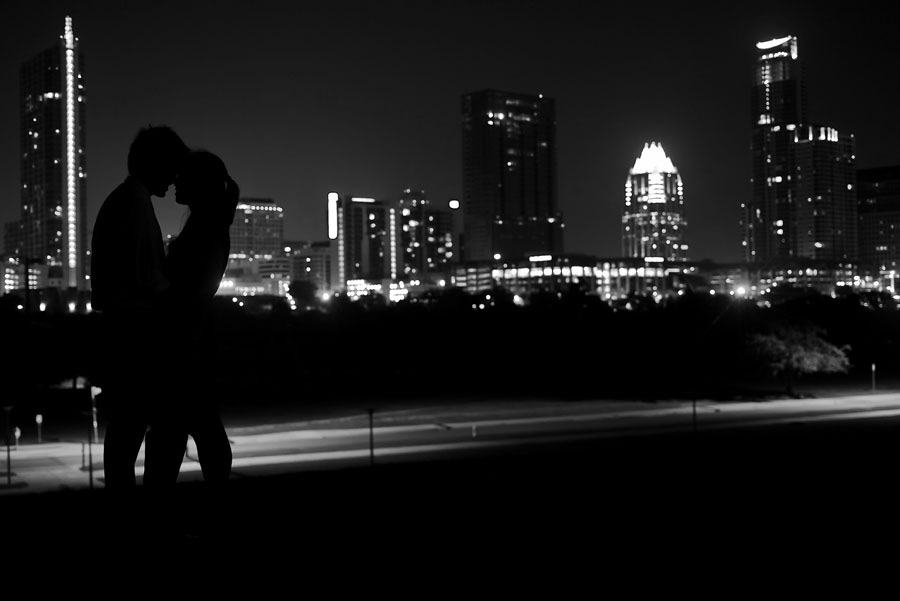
(155, 310)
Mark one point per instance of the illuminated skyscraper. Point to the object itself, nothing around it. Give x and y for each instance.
(653, 223)
(510, 206)
(257, 263)
(311, 262)
(879, 219)
(426, 236)
(366, 233)
(257, 229)
(803, 204)
(52, 228)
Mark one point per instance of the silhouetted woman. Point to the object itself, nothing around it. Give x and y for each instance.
(194, 267)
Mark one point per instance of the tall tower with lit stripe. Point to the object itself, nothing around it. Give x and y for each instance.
(52, 228)
(653, 223)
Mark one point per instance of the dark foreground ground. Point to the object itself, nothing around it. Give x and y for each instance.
(743, 508)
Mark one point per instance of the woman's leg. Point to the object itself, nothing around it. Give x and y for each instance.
(164, 448)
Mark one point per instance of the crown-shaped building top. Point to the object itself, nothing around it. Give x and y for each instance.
(653, 159)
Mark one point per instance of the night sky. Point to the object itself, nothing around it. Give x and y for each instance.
(363, 97)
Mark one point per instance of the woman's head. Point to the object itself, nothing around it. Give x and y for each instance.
(204, 185)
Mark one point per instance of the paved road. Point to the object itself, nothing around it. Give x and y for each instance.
(428, 432)
(809, 490)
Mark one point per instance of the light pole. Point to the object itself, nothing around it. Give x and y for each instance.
(94, 392)
(371, 436)
(7, 409)
(90, 463)
(873, 377)
(703, 335)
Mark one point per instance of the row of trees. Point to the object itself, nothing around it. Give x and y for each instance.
(454, 343)
(692, 343)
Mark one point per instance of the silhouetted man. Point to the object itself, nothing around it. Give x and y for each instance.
(127, 281)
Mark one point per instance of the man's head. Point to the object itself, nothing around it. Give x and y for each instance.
(155, 156)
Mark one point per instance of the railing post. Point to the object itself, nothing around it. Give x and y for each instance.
(371, 436)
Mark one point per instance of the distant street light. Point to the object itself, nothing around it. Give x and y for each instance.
(873, 377)
(39, 419)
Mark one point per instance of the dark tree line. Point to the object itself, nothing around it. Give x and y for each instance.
(568, 345)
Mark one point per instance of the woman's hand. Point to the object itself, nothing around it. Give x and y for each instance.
(232, 194)
(232, 190)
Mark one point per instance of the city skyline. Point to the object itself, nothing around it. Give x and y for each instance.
(365, 100)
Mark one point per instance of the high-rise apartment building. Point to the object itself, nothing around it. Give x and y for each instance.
(257, 229)
(878, 201)
(258, 263)
(366, 232)
(426, 236)
(52, 227)
(803, 203)
(510, 206)
(653, 222)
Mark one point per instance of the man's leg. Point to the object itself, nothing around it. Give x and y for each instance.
(122, 443)
(124, 513)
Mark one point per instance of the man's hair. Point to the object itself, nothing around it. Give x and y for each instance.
(153, 144)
